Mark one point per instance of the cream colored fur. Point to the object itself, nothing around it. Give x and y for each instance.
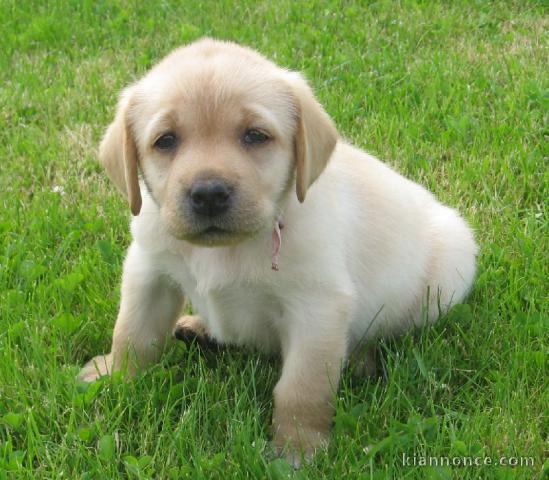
(367, 253)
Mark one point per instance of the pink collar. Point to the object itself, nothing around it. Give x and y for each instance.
(277, 242)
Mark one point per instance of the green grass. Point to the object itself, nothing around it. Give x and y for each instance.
(453, 94)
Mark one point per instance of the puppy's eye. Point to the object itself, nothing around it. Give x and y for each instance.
(254, 137)
(166, 142)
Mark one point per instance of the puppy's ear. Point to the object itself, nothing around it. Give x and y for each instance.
(315, 139)
(118, 154)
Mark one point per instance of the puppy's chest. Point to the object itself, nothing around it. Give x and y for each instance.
(241, 315)
(239, 311)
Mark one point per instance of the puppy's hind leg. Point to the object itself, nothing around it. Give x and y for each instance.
(191, 327)
(453, 263)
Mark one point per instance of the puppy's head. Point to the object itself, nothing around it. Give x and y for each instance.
(220, 135)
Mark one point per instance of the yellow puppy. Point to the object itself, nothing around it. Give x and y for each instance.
(243, 174)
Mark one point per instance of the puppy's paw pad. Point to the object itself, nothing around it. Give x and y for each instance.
(185, 334)
(190, 328)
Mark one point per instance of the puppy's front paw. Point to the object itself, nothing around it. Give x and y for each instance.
(96, 367)
(191, 327)
(298, 446)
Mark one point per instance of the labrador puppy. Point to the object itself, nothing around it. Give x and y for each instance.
(248, 204)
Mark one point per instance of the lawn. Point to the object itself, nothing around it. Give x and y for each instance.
(452, 94)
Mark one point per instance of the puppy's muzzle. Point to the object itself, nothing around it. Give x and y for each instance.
(210, 198)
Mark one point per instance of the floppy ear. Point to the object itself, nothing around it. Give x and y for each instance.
(316, 136)
(118, 154)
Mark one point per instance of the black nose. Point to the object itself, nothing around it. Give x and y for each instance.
(210, 197)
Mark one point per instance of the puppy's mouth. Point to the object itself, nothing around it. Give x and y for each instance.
(214, 236)
(213, 230)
